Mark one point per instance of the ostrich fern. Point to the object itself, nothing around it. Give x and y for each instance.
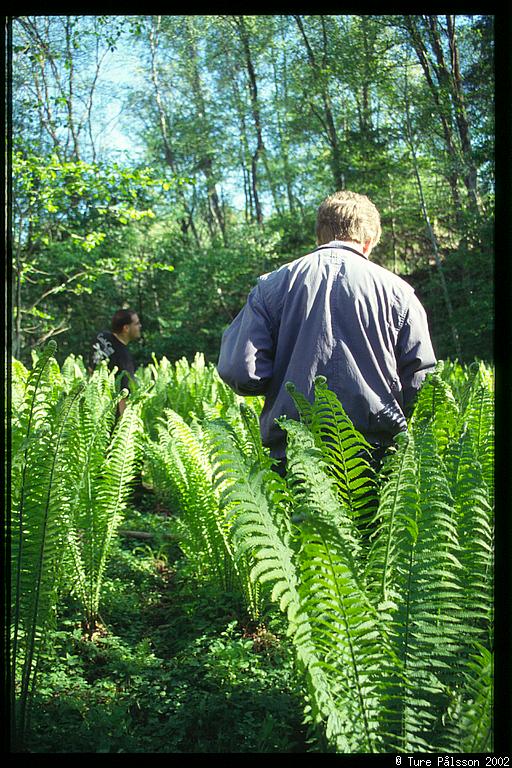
(42, 479)
(436, 405)
(257, 501)
(430, 622)
(345, 450)
(475, 529)
(392, 631)
(477, 412)
(182, 458)
(73, 371)
(385, 633)
(346, 627)
(109, 455)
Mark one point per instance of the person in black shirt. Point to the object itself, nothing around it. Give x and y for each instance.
(112, 346)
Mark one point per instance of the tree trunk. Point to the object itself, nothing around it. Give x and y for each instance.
(470, 178)
(244, 148)
(326, 118)
(283, 141)
(430, 231)
(17, 308)
(206, 162)
(449, 100)
(253, 90)
(168, 151)
(393, 228)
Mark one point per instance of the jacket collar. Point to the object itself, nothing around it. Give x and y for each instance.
(342, 245)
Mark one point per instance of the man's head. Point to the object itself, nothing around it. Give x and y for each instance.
(348, 216)
(126, 325)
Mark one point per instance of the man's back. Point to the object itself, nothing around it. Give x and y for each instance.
(331, 313)
(107, 347)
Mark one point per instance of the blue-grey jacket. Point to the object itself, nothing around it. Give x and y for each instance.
(337, 314)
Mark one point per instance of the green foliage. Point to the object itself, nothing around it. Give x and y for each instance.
(345, 632)
(469, 274)
(346, 452)
(108, 454)
(285, 111)
(179, 468)
(213, 279)
(384, 579)
(383, 631)
(41, 487)
(174, 654)
(69, 464)
(77, 224)
(73, 371)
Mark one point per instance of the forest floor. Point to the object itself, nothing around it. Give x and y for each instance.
(174, 667)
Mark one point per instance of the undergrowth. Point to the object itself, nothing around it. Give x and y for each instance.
(174, 667)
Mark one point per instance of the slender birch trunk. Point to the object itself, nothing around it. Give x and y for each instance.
(430, 231)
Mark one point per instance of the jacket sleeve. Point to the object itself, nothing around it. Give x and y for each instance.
(415, 354)
(247, 348)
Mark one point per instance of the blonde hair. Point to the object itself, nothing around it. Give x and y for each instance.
(348, 216)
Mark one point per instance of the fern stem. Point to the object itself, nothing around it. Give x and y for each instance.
(406, 639)
(20, 553)
(27, 666)
(390, 528)
(351, 647)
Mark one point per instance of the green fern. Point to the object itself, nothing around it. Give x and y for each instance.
(345, 450)
(204, 540)
(255, 500)
(393, 632)
(163, 467)
(113, 488)
(475, 530)
(396, 525)
(456, 375)
(73, 371)
(331, 622)
(346, 628)
(108, 455)
(41, 499)
(156, 379)
(436, 405)
(431, 622)
(470, 711)
(477, 413)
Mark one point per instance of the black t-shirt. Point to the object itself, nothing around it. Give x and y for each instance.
(107, 347)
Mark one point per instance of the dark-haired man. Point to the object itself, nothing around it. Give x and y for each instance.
(334, 313)
(112, 346)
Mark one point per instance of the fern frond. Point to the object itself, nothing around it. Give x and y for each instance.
(164, 468)
(106, 460)
(346, 630)
(97, 410)
(73, 371)
(431, 623)
(478, 415)
(314, 489)
(346, 451)
(471, 710)
(31, 452)
(206, 540)
(252, 499)
(457, 376)
(396, 523)
(436, 408)
(39, 524)
(113, 487)
(475, 530)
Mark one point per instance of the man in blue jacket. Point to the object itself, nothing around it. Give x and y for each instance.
(337, 314)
